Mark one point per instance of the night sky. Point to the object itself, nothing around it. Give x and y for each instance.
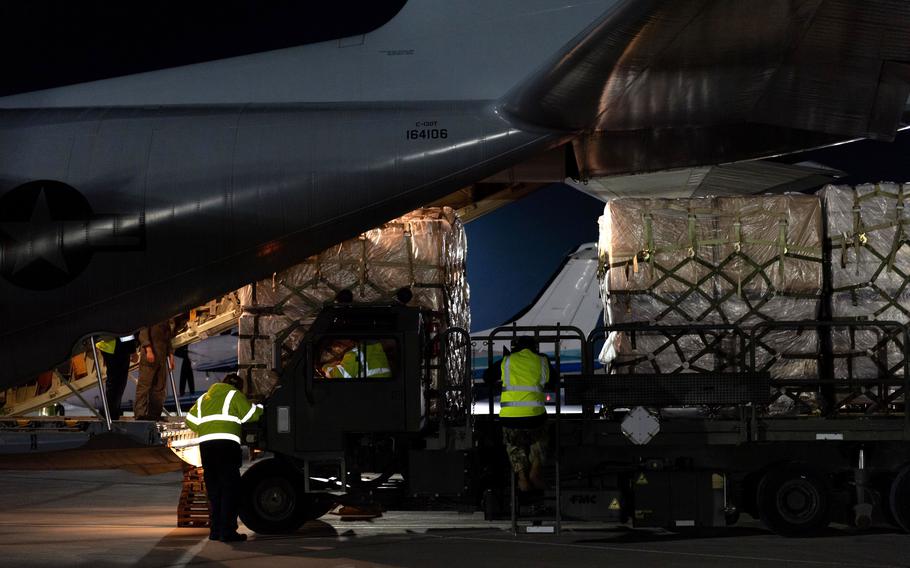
(45, 44)
(49, 43)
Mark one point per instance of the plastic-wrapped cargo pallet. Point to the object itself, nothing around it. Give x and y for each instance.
(870, 273)
(724, 260)
(424, 250)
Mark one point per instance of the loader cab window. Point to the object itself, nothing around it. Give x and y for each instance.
(358, 359)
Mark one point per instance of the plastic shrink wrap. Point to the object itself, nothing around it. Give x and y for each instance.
(725, 260)
(423, 250)
(870, 276)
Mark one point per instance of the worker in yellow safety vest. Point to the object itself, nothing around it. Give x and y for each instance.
(348, 357)
(217, 418)
(117, 353)
(523, 414)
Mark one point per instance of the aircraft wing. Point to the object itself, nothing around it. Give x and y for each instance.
(741, 178)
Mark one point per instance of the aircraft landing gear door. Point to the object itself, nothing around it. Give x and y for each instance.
(352, 383)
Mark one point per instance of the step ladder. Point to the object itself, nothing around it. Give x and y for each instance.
(543, 517)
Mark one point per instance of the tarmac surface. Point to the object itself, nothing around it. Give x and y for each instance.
(116, 518)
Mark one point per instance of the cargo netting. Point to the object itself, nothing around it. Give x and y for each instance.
(870, 274)
(423, 250)
(816, 287)
(736, 261)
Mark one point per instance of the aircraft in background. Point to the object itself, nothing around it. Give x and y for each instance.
(128, 200)
(570, 298)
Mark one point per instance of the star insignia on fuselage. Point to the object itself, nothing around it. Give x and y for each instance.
(39, 238)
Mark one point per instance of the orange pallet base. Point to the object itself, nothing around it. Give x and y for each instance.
(193, 509)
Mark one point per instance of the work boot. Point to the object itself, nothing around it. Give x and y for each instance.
(214, 536)
(234, 537)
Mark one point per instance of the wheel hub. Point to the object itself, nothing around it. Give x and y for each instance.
(798, 501)
(274, 500)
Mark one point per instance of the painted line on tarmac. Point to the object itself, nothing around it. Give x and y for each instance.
(663, 552)
(190, 554)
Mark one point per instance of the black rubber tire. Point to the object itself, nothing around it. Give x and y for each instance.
(273, 501)
(793, 503)
(899, 499)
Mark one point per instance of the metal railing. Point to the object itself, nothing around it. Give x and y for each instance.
(545, 336)
(834, 367)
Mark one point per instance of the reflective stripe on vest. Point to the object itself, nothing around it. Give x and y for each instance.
(214, 420)
(377, 362)
(373, 359)
(523, 395)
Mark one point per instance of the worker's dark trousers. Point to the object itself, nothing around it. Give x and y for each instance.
(187, 381)
(117, 365)
(221, 461)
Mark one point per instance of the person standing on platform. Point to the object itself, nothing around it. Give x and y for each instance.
(217, 418)
(155, 358)
(117, 353)
(187, 380)
(525, 375)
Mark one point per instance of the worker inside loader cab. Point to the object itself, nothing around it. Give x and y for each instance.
(350, 359)
(216, 418)
(524, 375)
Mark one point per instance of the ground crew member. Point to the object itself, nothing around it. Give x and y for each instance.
(187, 380)
(523, 414)
(216, 418)
(348, 359)
(117, 353)
(156, 356)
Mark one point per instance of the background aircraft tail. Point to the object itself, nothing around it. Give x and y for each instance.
(570, 298)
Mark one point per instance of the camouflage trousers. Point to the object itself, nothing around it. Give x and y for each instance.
(526, 446)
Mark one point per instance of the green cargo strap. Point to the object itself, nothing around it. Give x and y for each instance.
(649, 239)
(898, 227)
(737, 248)
(858, 231)
(737, 234)
(693, 237)
(409, 245)
(781, 247)
(362, 273)
(843, 250)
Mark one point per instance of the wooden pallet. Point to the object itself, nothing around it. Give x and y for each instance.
(193, 509)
